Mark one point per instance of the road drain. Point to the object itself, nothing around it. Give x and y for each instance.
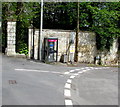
(12, 82)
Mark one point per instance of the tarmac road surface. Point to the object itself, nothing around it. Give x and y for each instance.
(29, 83)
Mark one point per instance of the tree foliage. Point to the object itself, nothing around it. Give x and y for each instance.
(106, 19)
(23, 14)
(103, 18)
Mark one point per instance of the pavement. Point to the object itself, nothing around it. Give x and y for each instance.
(26, 82)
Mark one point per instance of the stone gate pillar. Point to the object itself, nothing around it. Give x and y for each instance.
(11, 38)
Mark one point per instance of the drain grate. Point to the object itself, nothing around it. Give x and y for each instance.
(12, 82)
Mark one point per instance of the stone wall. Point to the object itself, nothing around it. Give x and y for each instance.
(111, 57)
(87, 43)
(87, 46)
(63, 38)
(86, 49)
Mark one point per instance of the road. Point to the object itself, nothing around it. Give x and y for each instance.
(25, 82)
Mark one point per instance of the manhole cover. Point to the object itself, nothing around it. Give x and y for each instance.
(12, 82)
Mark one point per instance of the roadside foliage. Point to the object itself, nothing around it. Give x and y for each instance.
(103, 18)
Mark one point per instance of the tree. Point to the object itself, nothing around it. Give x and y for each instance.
(103, 18)
(77, 33)
(22, 12)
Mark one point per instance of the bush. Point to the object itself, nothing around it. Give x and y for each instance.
(23, 49)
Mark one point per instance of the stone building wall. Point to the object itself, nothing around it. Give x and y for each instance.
(63, 39)
(87, 45)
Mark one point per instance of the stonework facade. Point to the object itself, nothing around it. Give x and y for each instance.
(111, 57)
(87, 46)
(86, 49)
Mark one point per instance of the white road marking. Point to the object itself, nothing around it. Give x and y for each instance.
(77, 69)
(68, 102)
(41, 71)
(91, 67)
(31, 70)
(67, 85)
(55, 72)
(76, 74)
(72, 70)
(88, 69)
(69, 81)
(84, 70)
(66, 72)
(67, 93)
(72, 76)
(96, 68)
(80, 72)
